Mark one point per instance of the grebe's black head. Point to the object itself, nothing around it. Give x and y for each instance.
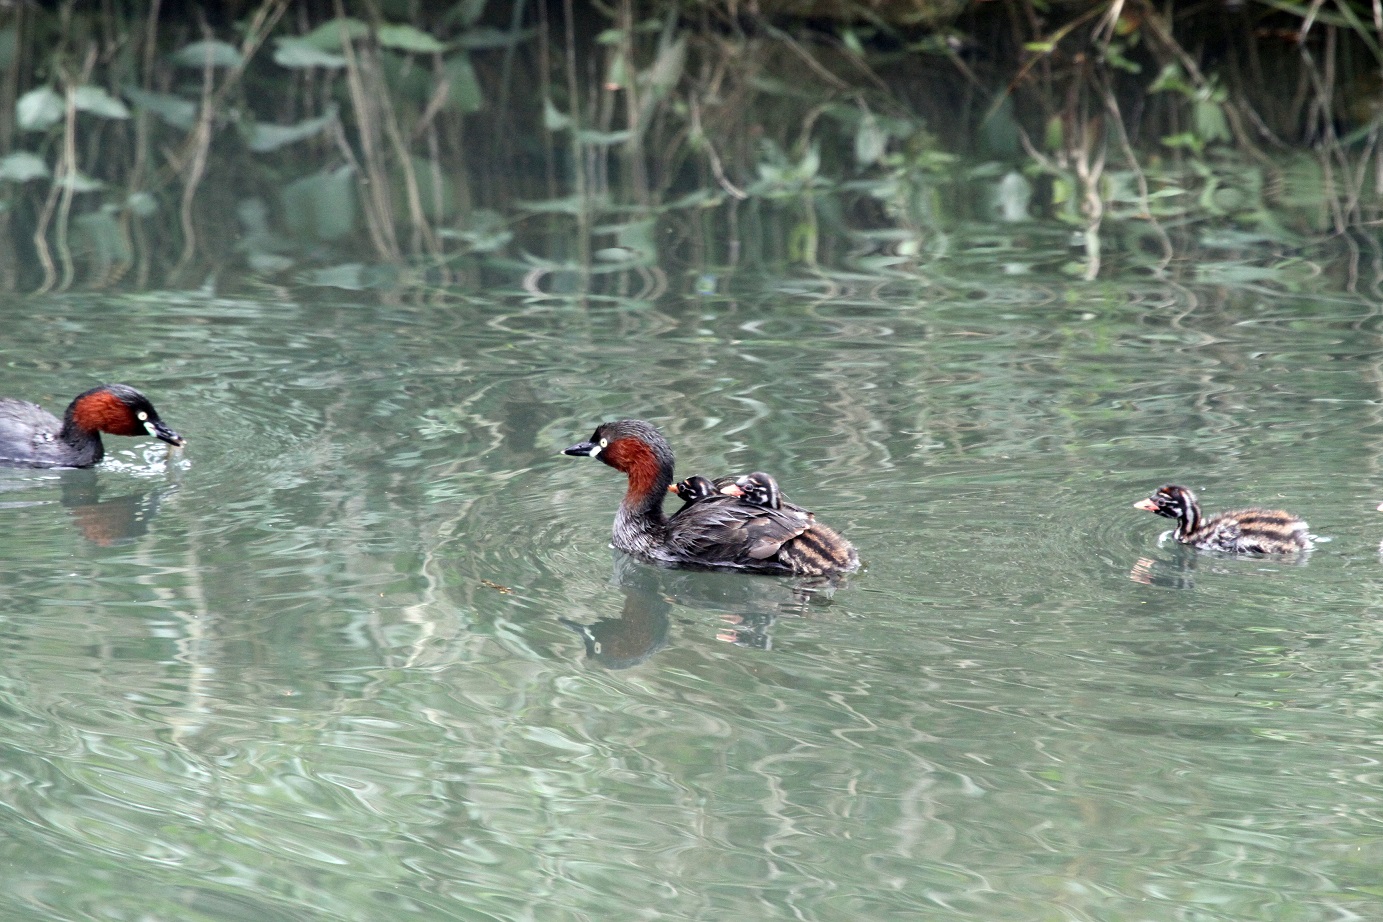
(760, 489)
(120, 410)
(1173, 502)
(619, 443)
(694, 488)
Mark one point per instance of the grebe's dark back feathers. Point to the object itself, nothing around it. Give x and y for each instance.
(727, 530)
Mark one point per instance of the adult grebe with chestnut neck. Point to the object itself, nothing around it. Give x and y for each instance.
(720, 531)
(30, 436)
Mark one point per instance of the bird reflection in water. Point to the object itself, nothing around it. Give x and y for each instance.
(748, 606)
(110, 521)
(640, 631)
(105, 522)
(1176, 573)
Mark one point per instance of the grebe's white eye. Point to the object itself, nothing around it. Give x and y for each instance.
(143, 417)
(604, 442)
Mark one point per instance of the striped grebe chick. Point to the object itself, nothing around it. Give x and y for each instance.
(821, 544)
(1244, 531)
(696, 488)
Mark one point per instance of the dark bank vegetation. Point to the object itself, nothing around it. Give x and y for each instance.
(632, 147)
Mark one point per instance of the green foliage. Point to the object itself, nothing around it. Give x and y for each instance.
(39, 109)
(453, 138)
(208, 54)
(321, 206)
(22, 166)
(262, 138)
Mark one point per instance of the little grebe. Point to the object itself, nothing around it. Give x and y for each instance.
(715, 531)
(1254, 531)
(33, 437)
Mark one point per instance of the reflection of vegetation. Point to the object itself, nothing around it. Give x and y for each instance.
(596, 148)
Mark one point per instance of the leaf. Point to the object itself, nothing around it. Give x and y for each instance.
(409, 38)
(328, 36)
(870, 141)
(350, 276)
(486, 38)
(100, 237)
(173, 110)
(321, 206)
(39, 109)
(1210, 121)
(1172, 80)
(485, 231)
(572, 204)
(22, 166)
(269, 263)
(603, 138)
(436, 191)
(662, 77)
(466, 13)
(78, 181)
(97, 101)
(300, 53)
(215, 53)
(554, 120)
(638, 237)
(265, 137)
(464, 93)
(141, 204)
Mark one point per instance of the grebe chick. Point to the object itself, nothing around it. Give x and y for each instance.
(758, 488)
(821, 543)
(717, 531)
(33, 437)
(1252, 531)
(696, 488)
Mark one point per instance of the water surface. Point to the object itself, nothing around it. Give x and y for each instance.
(363, 651)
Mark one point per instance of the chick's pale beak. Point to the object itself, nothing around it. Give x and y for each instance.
(1147, 505)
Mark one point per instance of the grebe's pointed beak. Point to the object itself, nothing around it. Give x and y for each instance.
(731, 489)
(158, 430)
(588, 449)
(1147, 505)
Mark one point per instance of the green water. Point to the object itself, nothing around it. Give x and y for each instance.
(326, 664)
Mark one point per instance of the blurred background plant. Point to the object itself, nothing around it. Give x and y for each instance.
(628, 148)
